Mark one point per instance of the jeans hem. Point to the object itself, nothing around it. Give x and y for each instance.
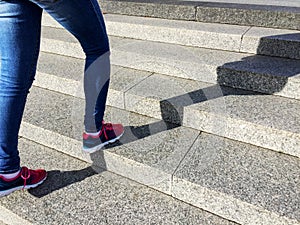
(10, 171)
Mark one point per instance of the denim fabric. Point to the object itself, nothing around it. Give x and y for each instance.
(20, 28)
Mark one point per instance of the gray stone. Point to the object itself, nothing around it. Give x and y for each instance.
(58, 39)
(61, 66)
(55, 112)
(289, 3)
(65, 75)
(273, 42)
(141, 146)
(249, 15)
(63, 114)
(214, 36)
(150, 160)
(151, 150)
(122, 80)
(241, 182)
(7, 217)
(259, 73)
(74, 193)
(162, 97)
(160, 9)
(257, 40)
(268, 121)
(263, 74)
(263, 14)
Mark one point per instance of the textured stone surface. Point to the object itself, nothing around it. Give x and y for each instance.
(151, 150)
(161, 9)
(64, 114)
(75, 194)
(7, 217)
(174, 60)
(264, 74)
(150, 160)
(259, 73)
(266, 14)
(205, 35)
(250, 15)
(163, 97)
(274, 42)
(61, 122)
(289, 3)
(65, 75)
(264, 120)
(263, 178)
(265, 41)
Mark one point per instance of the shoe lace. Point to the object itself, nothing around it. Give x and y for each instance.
(106, 127)
(25, 174)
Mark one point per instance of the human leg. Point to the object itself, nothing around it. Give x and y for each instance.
(83, 18)
(19, 47)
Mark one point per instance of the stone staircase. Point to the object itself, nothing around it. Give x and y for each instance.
(211, 110)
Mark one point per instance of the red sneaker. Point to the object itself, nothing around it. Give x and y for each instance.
(109, 133)
(26, 179)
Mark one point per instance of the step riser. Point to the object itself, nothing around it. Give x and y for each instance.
(236, 210)
(275, 85)
(271, 42)
(280, 141)
(259, 18)
(273, 16)
(192, 69)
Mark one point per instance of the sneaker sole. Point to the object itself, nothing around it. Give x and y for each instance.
(99, 147)
(7, 192)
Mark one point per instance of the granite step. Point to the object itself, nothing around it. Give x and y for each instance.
(77, 192)
(234, 180)
(275, 14)
(238, 114)
(247, 39)
(271, 75)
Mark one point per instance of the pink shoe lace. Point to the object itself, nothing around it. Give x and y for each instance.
(25, 174)
(106, 127)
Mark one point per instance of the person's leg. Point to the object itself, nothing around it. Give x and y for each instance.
(19, 47)
(83, 18)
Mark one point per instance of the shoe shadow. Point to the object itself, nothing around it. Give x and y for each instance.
(59, 179)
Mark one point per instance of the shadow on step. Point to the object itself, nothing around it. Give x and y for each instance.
(253, 75)
(268, 75)
(59, 179)
(283, 45)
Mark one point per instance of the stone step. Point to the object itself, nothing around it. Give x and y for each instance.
(264, 74)
(234, 113)
(255, 40)
(237, 181)
(76, 192)
(275, 14)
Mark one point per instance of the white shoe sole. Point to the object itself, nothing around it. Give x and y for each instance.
(7, 192)
(99, 147)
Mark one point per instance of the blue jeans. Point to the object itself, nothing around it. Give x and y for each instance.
(20, 30)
